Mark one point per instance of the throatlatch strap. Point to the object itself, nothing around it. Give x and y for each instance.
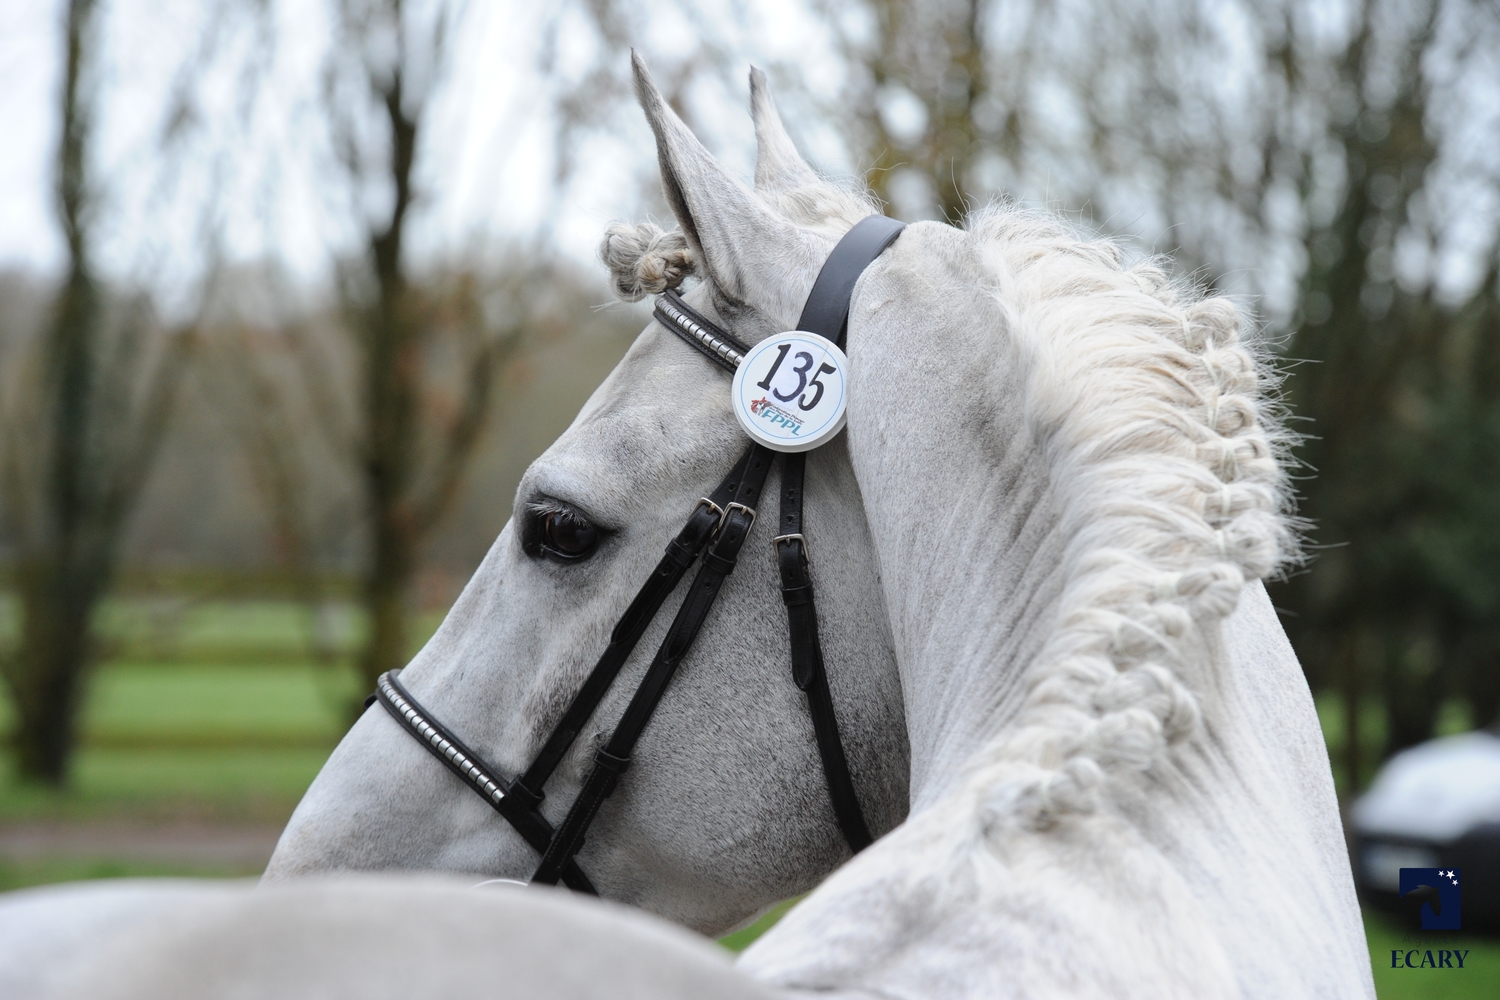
(472, 769)
(681, 552)
(807, 653)
(612, 760)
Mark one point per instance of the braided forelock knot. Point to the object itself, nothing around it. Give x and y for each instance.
(643, 259)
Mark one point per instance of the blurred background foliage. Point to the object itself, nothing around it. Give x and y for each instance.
(240, 477)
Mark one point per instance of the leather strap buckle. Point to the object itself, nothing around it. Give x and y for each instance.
(718, 511)
(795, 537)
(747, 510)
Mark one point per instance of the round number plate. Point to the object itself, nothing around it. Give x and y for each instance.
(789, 393)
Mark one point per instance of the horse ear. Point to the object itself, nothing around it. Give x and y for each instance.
(735, 235)
(778, 165)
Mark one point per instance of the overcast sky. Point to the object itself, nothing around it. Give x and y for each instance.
(259, 178)
(485, 168)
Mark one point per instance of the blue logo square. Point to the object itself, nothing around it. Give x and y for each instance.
(1434, 893)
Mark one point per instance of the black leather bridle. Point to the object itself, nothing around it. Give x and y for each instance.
(716, 531)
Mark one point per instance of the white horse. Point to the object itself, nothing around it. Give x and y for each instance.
(369, 937)
(1117, 782)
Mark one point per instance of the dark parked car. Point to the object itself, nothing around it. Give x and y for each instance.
(1436, 805)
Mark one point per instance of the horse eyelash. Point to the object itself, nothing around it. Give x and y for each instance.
(540, 509)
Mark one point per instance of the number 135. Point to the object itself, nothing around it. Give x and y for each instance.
(801, 371)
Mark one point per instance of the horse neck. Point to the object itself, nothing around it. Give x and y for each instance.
(1113, 794)
(964, 526)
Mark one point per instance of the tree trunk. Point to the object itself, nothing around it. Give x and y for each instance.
(392, 403)
(55, 653)
(385, 607)
(69, 564)
(97, 428)
(393, 371)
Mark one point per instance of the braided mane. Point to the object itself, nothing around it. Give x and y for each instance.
(1163, 448)
(1160, 436)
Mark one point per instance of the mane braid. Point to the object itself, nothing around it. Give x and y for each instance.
(1162, 445)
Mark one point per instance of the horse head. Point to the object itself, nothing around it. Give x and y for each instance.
(724, 808)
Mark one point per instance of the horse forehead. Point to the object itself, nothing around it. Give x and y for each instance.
(660, 415)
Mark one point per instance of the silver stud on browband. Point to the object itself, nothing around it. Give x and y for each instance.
(702, 336)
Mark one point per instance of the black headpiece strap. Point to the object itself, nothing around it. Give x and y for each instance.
(827, 309)
(826, 313)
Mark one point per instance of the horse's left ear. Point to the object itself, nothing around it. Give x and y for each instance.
(778, 165)
(745, 248)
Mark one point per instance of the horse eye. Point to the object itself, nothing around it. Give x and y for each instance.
(568, 536)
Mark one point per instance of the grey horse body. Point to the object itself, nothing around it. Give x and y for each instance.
(371, 937)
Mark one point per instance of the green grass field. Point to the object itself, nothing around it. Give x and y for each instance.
(22, 875)
(1480, 976)
(217, 712)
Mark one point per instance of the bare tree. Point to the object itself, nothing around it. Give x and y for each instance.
(918, 79)
(425, 355)
(272, 374)
(103, 388)
(1294, 156)
(1402, 403)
